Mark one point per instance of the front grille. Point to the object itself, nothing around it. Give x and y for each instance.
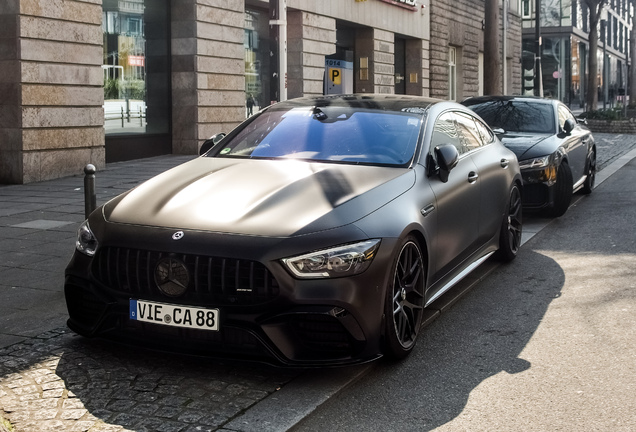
(222, 281)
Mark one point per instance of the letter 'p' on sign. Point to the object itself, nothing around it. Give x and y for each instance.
(335, 75)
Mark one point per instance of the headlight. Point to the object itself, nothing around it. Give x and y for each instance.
(535, 163)
(539, 170)
(86, 242)
(339, 261)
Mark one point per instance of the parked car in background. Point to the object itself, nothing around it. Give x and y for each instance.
(314, 233)
(556, 153)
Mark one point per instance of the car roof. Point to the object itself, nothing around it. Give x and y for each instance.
(403, 103)
(481, 99)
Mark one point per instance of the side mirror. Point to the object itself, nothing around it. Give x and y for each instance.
(569, 125)
(499, 131)
(211, 142)
(447, 157)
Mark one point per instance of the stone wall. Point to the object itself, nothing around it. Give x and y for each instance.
(53, 123)
(459, 24)
(310, 38)
(612, 126)
(208, 66)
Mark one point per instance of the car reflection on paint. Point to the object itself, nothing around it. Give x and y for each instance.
(314, 233)
(556, 153)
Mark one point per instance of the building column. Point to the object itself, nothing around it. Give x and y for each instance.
(375, 50)
(310, 38)
(208, 71)
(417, 67)
(51, 118)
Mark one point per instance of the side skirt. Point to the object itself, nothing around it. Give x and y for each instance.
(459, 277)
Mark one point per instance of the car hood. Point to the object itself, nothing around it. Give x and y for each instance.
(526, 146)
(259, 197)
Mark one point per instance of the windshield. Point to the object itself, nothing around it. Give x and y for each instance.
(517, 116)
(334, 134)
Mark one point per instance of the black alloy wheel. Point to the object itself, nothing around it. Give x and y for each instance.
(404, 304)
(511, 227)
(562, 191)
(590, 179)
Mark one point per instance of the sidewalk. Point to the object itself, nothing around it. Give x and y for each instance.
(51, 379)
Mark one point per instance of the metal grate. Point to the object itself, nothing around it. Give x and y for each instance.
(219, 280)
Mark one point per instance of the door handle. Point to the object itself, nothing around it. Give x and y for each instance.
(472, 177)
(505, 163)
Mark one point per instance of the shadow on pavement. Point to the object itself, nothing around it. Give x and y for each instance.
(482, 335)
(67, 382)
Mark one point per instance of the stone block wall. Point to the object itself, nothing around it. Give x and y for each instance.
(459, 24)
(208, 66)
(383, 62)
(310, 38)
(54, 57)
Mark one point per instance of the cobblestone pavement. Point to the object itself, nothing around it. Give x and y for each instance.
(56, 381)
(612, 146)
(62, 382)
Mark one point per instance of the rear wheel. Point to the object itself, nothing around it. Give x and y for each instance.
(588, 186)
(562, 191)
(404, 302)
(511, 227)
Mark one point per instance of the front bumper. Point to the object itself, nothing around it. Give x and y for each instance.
(538, 190)
(293, 322)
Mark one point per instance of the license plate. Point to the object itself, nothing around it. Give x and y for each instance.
(174, 315)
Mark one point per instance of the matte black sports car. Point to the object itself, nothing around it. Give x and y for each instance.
(556, 154)
(314, 233)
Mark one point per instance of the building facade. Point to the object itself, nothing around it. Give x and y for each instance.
(457, 48)
(565, 32)
(97, 81)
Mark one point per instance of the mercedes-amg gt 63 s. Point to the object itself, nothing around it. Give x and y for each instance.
(316, 232)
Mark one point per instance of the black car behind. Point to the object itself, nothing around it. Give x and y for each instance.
(556, 153)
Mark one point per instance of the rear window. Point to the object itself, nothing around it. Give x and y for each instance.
(517, 116)
(333, 134)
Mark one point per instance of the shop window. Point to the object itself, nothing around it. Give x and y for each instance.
(136, 67)
(256, 60)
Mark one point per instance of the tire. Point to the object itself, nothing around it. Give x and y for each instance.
(511, 228)
(404, 304)
(588, 186)
(562, 191)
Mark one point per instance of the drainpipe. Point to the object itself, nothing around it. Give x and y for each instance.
(504, 48)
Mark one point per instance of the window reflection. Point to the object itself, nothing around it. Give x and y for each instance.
(131, 74)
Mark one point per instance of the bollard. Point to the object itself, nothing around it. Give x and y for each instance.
(90, 198)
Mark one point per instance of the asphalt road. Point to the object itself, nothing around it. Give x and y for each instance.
(543, 344)
(542, 335)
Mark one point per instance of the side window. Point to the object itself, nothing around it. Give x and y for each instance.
(445, 132)
(564, 114)
(470, 136)
(487, 135)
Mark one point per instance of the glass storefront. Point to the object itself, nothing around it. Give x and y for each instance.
(136, 67)
(256, 61)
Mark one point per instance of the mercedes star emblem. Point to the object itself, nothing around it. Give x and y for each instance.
(178, 235)
(172, 277)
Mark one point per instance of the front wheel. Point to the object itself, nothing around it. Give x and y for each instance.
(562, 191)
(404, 304)
(590, 179)
(511, 227)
